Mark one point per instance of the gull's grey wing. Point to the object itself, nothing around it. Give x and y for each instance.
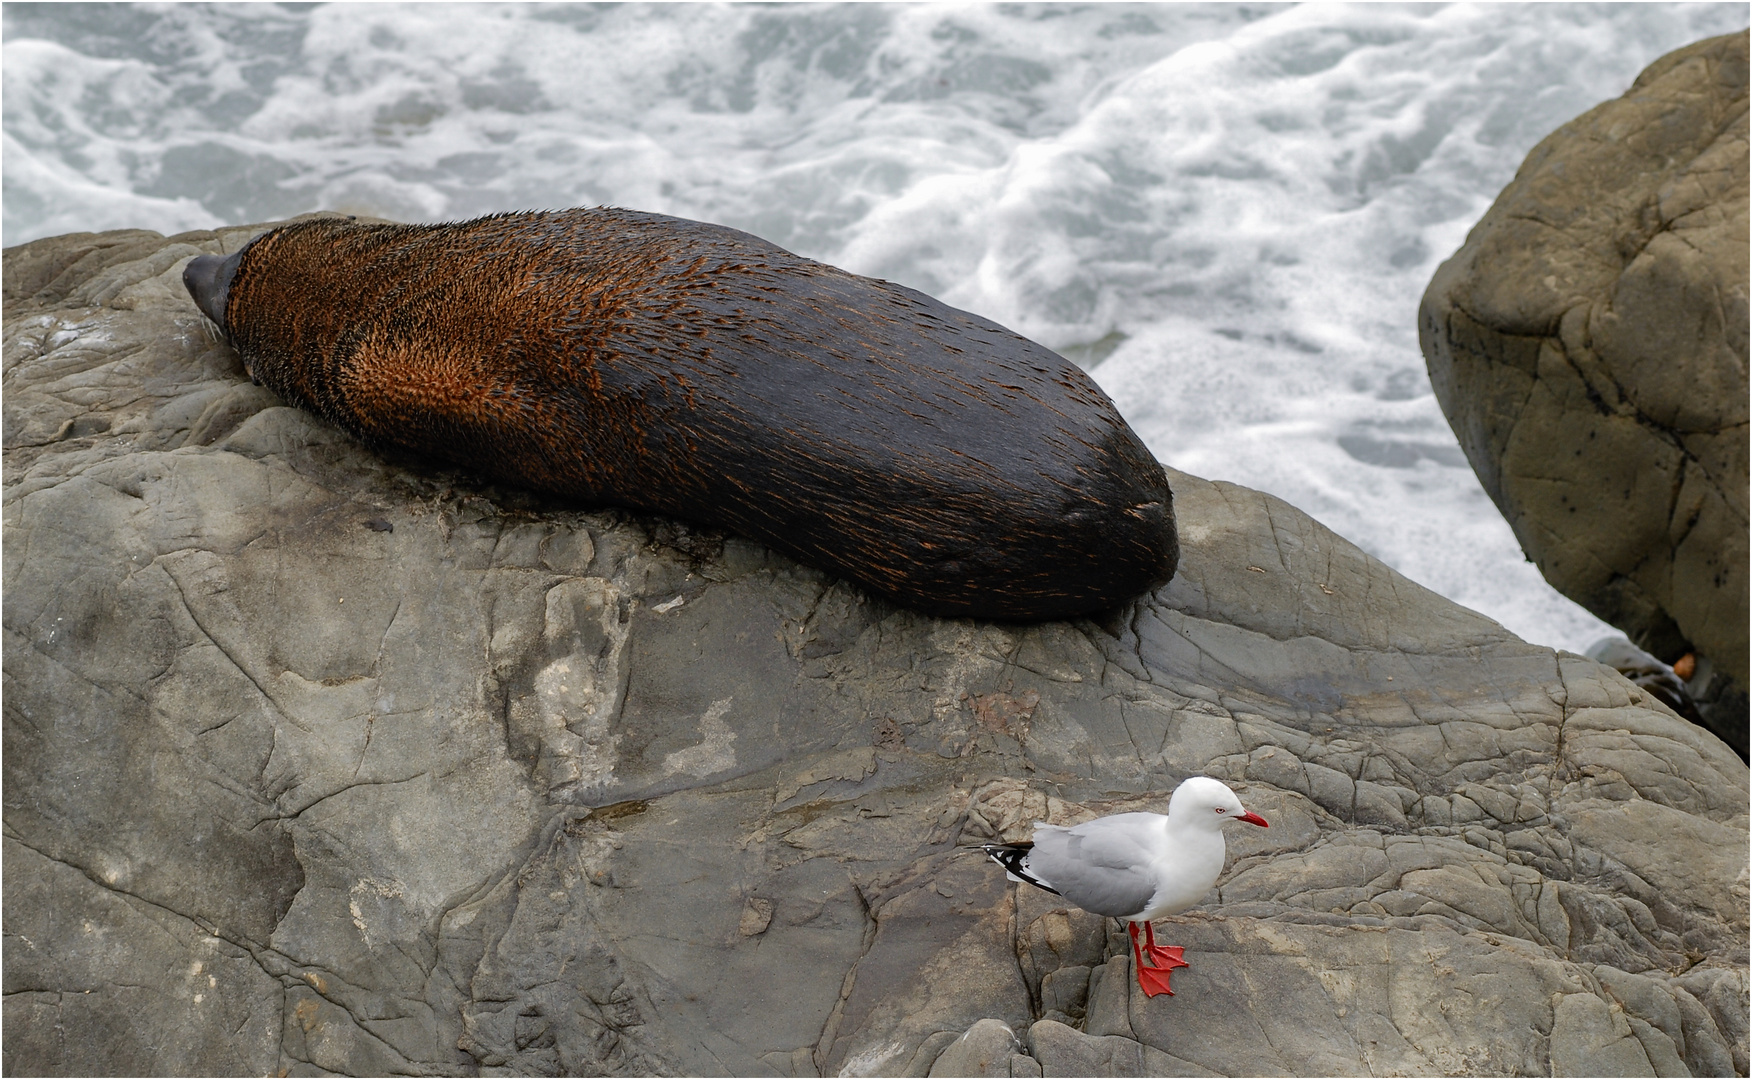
(1119, 840)
(1099, 867)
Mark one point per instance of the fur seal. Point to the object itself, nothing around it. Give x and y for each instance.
(696, 371)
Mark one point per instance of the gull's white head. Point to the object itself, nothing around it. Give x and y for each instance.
(1208, 804)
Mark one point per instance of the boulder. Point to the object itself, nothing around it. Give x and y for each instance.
(317, 761)
(1589, 345)
(988, 1048)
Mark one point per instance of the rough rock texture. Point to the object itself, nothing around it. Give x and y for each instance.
(320, 762)
(1589, 346)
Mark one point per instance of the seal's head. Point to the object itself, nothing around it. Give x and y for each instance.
(208, 279)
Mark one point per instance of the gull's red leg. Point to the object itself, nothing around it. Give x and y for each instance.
(1153, 980)
(1163, 956)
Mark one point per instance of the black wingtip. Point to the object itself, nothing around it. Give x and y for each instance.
(1013, 858)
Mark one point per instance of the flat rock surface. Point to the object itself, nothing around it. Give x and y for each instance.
(319, 762)
(1589, 346)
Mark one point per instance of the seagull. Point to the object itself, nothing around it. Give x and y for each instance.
(1137, 867)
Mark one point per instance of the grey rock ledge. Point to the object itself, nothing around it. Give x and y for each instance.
(317, 762)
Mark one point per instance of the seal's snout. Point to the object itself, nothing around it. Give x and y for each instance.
(208, 279)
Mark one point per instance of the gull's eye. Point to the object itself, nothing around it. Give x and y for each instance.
(1220, 810)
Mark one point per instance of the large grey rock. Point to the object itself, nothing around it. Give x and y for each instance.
(320, 762)
(1589, 346)
(1065, 1051)
(1589, 1038)
(986, 1049)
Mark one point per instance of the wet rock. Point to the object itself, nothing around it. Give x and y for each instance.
(1659, 680)
(514, 786)
(1589, 346)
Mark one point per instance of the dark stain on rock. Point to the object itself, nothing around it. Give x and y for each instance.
(617, 810)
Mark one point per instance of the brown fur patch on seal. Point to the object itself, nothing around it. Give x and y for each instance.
(615, 357)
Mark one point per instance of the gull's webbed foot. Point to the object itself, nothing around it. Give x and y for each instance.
(1153, 980)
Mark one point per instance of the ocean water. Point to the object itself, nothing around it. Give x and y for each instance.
(1226, 213)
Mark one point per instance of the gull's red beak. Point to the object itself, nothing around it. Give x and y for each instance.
(1254, 818)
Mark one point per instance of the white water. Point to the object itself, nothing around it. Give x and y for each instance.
(1227, 212)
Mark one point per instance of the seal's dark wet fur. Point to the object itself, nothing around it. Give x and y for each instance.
(624, 358)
